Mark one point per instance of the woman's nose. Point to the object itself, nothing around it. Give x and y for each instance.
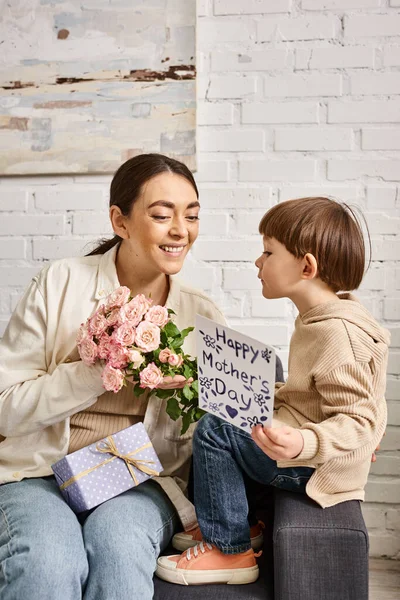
(178, 228)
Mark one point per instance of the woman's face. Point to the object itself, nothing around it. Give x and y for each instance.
(163, 224)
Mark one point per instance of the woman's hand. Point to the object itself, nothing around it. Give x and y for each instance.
(279, 444)
(177, 382)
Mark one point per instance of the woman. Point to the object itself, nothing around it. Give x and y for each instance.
(52, 404)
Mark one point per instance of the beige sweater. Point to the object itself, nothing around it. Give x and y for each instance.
(335, 395)
(111, 413)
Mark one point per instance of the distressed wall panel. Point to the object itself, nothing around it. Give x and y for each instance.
(86, 84)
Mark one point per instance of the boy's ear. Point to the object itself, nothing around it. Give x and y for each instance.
(310, 267)
(118, 222)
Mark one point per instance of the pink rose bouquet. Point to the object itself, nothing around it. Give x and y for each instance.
(140, 343)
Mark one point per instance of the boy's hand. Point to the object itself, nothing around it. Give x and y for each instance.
(279, 444)
(373, 458)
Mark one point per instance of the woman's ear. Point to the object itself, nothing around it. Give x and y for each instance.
(310, 267)
(118, 222)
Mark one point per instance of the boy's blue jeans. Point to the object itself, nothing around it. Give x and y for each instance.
(223, 455)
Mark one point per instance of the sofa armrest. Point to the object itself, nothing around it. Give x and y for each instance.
(319, 554)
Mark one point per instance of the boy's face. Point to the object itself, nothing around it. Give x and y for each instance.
(280, 272)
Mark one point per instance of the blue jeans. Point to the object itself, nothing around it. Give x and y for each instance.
(223, 455)
(46, 553)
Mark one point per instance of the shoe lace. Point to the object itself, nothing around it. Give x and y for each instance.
(195, 549)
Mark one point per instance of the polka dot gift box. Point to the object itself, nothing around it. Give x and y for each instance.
(107, 468)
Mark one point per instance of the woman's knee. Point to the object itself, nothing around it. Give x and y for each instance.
(41, 542)
(142, 517)
(37, 567)
(61, 560)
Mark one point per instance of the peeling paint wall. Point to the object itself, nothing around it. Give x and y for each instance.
(86, 84)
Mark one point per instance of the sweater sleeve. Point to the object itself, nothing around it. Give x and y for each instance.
(31, 399)
(350, 411)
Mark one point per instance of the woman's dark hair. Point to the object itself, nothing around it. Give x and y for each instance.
(329, 230)
(128, 182)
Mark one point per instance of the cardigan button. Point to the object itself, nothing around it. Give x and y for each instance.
(16, 474)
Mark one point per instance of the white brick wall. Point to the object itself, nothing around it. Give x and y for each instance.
(296, 97)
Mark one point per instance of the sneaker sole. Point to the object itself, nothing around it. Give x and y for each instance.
(182, 543)
(227, 576)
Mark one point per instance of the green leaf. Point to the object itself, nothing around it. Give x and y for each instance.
(177, 343)
(138, 391)
(199, 413)
(171, 330)
(187, 392)
(186, 331)
(173, 409)
(186, 421)
(195, 386)
(170, 311)
(187, 371)
(163, 394)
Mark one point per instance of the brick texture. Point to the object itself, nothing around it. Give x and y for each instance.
(295, 98)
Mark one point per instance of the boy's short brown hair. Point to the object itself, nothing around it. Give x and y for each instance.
(327, 229)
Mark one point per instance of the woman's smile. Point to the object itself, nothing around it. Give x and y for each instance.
(172, 250)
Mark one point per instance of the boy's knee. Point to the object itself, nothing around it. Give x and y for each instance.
(207, 422)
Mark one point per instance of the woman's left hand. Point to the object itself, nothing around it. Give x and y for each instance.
(177, 382)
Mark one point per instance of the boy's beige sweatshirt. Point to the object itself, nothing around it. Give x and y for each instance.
(335, 395)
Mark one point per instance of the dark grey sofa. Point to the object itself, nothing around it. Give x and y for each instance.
(309, 553)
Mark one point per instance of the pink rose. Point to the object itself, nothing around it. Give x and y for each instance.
(103, 347)
(135, 357)
(132, 313)
(164, 355)
(175, 360)
(97, 324)
(142, 302)
(115, 317)
(88, 351)
(118, 297)
(150, 377)
(124, 335)
(113, 379)
(157, 315)
(117, 356)
(147, 336)
(136, 308)
(82, 333)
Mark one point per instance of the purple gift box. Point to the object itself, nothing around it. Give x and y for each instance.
(107, 468)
